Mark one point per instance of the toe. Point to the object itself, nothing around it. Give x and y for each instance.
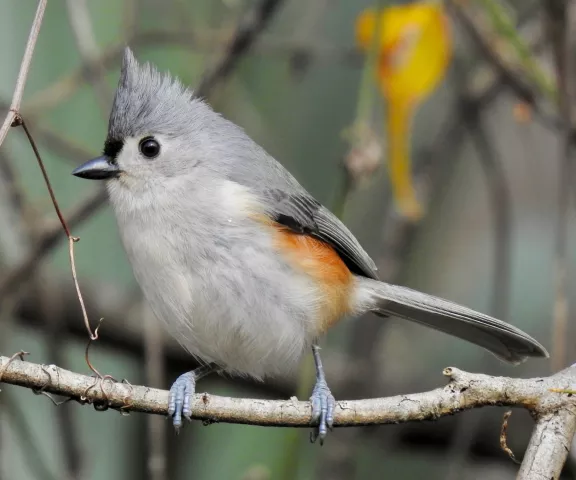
(322, 429)
(180, 399)
(313, 435)
(316, 408)
(323, 405)
(172, 402)
(177, 421)
(175, 404)
(187, 404)
(330, 411)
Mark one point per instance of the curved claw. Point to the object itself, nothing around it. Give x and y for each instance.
(180, 399)
(323, 406)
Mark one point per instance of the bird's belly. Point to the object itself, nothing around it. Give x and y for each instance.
(241, 308)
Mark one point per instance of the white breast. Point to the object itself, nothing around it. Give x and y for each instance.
(212, 276)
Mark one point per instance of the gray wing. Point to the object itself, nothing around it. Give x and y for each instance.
(303, 214)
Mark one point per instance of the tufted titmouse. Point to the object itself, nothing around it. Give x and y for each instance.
(244, 267)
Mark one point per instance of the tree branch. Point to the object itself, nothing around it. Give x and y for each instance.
(248, 30)
(554, 412)
(549, 445)
(24, 69)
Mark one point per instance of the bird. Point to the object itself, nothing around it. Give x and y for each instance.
(238, 261)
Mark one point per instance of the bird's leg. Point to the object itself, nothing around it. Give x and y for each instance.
(323, 403)
(181, 391)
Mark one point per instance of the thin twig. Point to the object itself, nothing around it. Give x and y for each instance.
(14, 118)
(93, 335)
(19, 355)
(48, 240)
(247, 32)
(20, 121)
(24, 69)
(79, 17)
(503, 438)
(64, 147)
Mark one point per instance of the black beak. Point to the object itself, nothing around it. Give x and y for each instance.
(100, 168)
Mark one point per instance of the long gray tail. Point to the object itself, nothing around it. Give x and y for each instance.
(502, 339)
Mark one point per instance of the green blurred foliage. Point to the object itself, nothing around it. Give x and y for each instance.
(298, 119)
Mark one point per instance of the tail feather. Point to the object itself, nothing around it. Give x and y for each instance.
(500, 338)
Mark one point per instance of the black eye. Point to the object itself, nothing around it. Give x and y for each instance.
(149, 147)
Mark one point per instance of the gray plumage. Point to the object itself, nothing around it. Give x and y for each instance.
(209, 270)
(148, 102)
(502, 339)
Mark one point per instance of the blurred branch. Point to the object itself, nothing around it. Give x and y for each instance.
(18, 218)
(61, 145)
(18, 420)
(205, 40)
(130, 18)
(16, 195)
(506, 28)
(494, 57)
(558, 15)
(51, 302)
(500, 198)
(502, 65)
(155, 375)
(14, 118)
(431, 169)
(57, 142)
(79, 17)
(247, 32)
(46, 241)
(553, 411)
(24, 69)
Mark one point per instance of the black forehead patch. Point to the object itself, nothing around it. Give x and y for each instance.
(112, 147)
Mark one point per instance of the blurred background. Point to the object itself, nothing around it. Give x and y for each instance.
(319, 84)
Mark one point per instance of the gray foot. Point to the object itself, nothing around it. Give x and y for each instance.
(181, 392)
(323, 405)
(180, 399)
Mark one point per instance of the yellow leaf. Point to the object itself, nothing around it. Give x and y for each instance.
(414, 51)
